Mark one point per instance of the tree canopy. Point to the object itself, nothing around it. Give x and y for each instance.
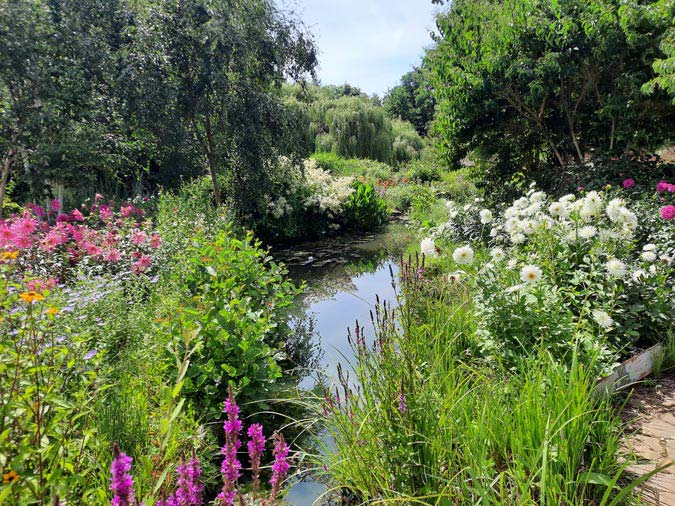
(539, 83)
(126, 90)
(412, 100)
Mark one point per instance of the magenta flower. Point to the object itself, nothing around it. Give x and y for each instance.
(668, 212)
(190, 489)
(661, 186)
(231, 466)
(76, 215)
(628, 183)
(402, 404)
(121, 482)
(256, 446)
(279, 468)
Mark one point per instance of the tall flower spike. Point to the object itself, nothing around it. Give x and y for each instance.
(279, 468)
(256, 446)
(231, 466)
(121, 482)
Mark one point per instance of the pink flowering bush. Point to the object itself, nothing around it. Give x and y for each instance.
(53, 244)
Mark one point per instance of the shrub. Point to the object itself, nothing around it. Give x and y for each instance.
(236, 298)
(364, 209)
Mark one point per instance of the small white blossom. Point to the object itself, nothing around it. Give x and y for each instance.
(587, 232)
(648, 256)
(485, 216)
(463, 255)
(497, 254)
(603, 319)
(530, 274)
(428, 247)
(615, 268)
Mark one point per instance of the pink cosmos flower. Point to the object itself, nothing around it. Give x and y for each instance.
(628, 183)
(76, 215)
(668, 212)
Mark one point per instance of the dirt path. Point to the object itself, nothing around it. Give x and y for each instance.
(650, 414)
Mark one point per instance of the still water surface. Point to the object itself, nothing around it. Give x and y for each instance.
(343, 276)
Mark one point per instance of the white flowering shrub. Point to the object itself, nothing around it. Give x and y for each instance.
(307, 201)
(562, 273)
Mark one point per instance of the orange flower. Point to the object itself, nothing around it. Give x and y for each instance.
(31, 297)
(9, 477)
(8, 255)
(52, 311)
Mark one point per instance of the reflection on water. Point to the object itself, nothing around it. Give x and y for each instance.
(343, 276)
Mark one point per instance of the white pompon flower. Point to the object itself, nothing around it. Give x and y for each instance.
(463, 255)
(603, 319)
(638, 275)
(559, 210)
(588, 232)
(649, 247)
(485, 216)
(530, 274)
(518, 238)
(428, 247)
(512, 264)
(615, 268)
(648, 256)
(497, 254)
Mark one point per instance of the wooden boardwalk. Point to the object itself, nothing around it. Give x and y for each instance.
(650, 414)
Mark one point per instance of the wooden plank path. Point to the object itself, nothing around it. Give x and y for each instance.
(650, 414)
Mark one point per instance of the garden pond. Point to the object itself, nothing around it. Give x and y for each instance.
(343, 277)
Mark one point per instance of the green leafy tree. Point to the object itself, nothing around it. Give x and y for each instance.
(534, 84)
(222, 60)
(412, 100)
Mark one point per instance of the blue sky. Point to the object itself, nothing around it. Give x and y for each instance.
(367, 43)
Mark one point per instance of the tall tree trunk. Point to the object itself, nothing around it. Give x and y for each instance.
(213, 167)
(566, 98)
(611, 134)
(6, 169)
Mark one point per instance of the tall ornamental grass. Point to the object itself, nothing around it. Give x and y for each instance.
(420, 422)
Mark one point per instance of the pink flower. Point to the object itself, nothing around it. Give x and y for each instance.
(105, 213)
(127, 211)
(24, 226)
(155, 240)
(62, 218)
(668, 212)
(661, 186)
(113, 255)
(39, 212)
(628, 183)
(76, 215)
(6, 235)
(142, 264)
(91, 248)
(22, 241)
(670, 188)
(138, 236)
(56, 205)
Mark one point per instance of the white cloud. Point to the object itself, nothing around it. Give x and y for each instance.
(367, 43)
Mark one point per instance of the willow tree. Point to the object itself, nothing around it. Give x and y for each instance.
(222, 60)
(540, 83)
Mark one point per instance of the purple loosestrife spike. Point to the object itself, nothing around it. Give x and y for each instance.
(256, 446)
(231, 466)
(402, 404)
(279, 468)
(121, 482)
(189, 492)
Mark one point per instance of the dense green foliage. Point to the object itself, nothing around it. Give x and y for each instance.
(132, 93)
(412, 100)
(534, 84)
(343, 121)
